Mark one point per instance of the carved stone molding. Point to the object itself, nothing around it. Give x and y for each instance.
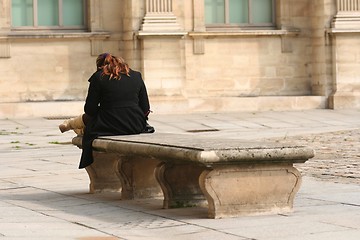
(159, 17)
(348, 15)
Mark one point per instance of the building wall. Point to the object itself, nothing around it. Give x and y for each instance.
(322, 75)
(301, 64)
(345, 44)
(225, 69)
(346, 50)
(48, 66)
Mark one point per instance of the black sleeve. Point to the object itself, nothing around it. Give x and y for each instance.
(143, 98)
(93, 96)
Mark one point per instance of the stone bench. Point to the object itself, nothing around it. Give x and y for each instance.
(230, 177)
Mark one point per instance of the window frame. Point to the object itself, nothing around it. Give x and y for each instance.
(247, 25)
(60, 26)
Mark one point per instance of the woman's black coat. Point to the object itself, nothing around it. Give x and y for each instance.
(116, 107)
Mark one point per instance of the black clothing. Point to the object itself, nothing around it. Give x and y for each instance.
(115, 107)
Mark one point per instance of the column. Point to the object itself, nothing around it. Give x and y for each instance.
(345, 41)
(162, 51)
(199, 26)
(5, 25)
(159, 17)
(348, 14)
(347, 5)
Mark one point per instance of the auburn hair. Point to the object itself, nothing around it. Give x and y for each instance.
(112, 66)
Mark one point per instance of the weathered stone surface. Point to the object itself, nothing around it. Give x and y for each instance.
(244, 190)
(203, 150)
(104, 177)
(235, 177)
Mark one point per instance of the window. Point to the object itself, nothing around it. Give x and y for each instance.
(239, 13)
(48, 14)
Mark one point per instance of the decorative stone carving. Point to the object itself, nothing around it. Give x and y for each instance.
(104, 177)
(180, 184)
(159, 17)
(259, 189)
(133, 176)
(348, 15)
(137, 177)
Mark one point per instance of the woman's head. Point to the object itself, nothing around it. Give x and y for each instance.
(100, 60)
(112, 66)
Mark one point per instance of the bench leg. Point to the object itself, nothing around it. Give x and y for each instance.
(180, 184)
(137, 177)
(234, 191)
(103, 173)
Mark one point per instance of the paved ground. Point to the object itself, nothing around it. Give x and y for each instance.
(44, 196)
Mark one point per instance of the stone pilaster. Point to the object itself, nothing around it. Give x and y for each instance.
(159, 17)
(5, 26)
(345, 33)
(348, 14)
(161, 41)
(4, 48)
(199, 26)
(95, 21)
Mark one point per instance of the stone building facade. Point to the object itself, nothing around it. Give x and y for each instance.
(304, 55)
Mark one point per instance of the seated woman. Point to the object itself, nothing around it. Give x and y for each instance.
(116, 104)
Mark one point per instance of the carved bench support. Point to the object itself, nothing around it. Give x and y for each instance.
(180, 184)
(133, 176)
(137, 177)
(104, 177)
(251, 189)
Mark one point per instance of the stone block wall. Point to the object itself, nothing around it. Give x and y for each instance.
(309, 60)
(44, 70)
(54, 66)
(211, 70)
(344, 36)
(346, 50)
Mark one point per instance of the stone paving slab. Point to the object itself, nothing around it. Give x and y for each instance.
(44, 196)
